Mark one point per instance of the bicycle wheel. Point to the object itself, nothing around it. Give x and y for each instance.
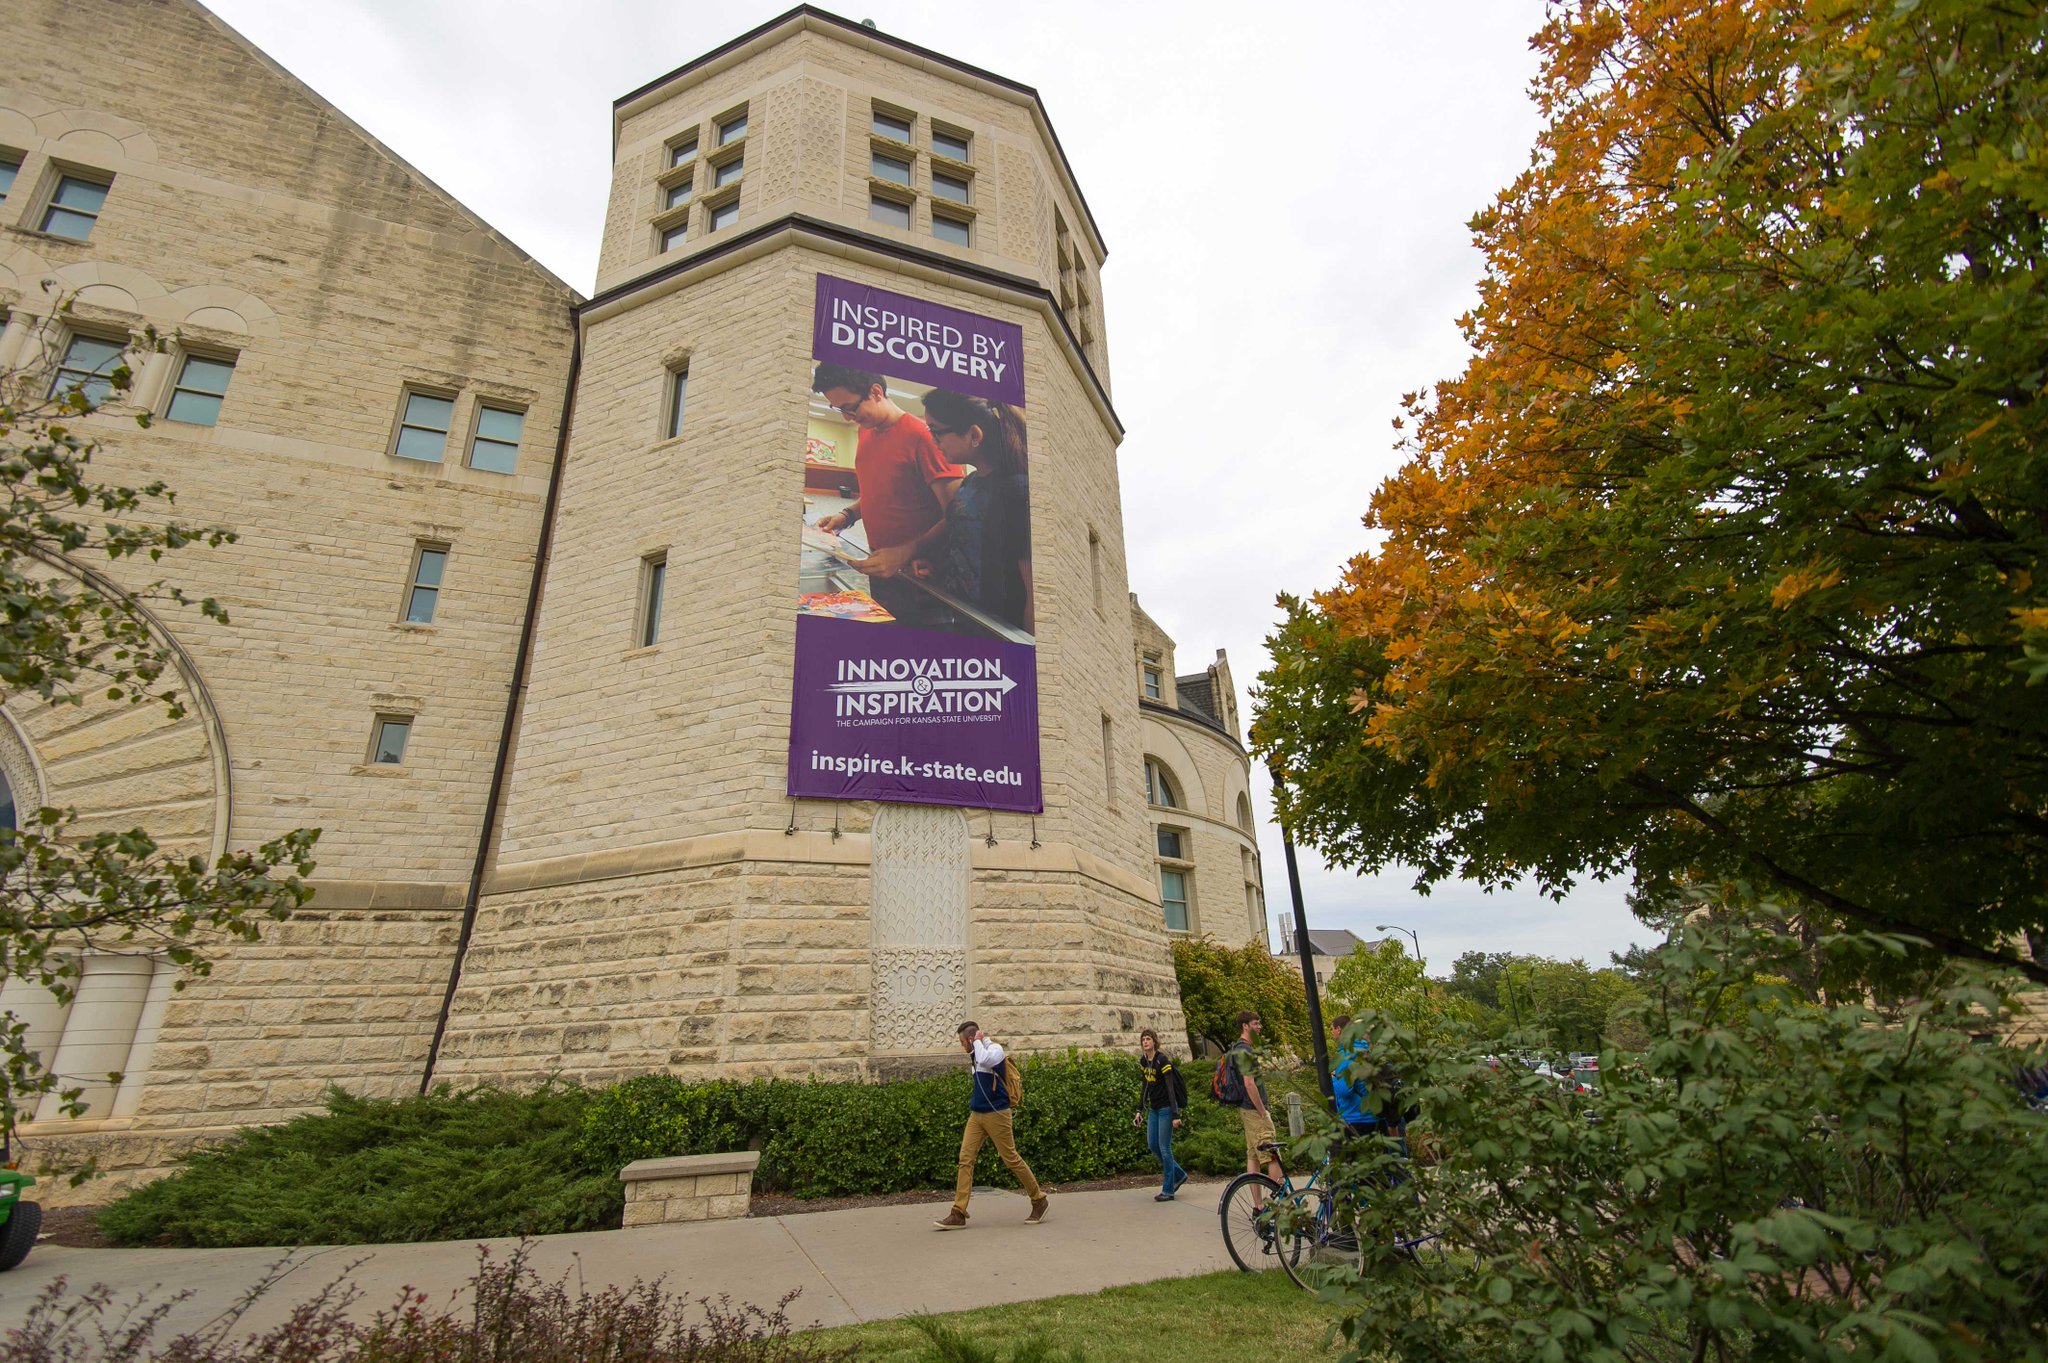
(1247, 1229)
(1303, 1242)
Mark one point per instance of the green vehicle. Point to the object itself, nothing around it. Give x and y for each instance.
(20, 1219)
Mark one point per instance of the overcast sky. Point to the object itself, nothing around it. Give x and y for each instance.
(1284, 191)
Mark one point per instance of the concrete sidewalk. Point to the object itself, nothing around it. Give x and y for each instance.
(864, 1263)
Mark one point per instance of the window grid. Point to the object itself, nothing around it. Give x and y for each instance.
(1173, 897)
(883, 123)
(202, 385)
(678, 401)
(88, 365)
(75, 207)
(894, 169)
(678, 195)
(723, 215)
(495, 446)
(675, 236)
(653, 580)
(888, 211)
(732, 129)
(954, 146)
(1153, 690)
(682, 153)
(387, 746)
(728, 172)
(952, 188)
(423, 593)
(423, 427)
(952, 230)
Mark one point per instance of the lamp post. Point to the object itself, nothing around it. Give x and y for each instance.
(1389, 927)
(1308, 965)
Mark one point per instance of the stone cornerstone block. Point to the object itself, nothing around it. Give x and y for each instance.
(688, 1188)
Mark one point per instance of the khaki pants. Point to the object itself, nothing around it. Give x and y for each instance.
(990, 1126)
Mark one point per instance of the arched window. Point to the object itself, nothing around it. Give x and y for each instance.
(1244, 811)
(7, 819)
(1159, 785)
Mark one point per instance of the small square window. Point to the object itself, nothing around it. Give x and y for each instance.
(951, 187)
(495, 446)
(673, 237)
(678, 399)
(387, 748)
(88, 366)
(727, 172)
(890, 125)
(889, 211)
(10, 166)
(677, 195)
(952, 230)
(733, 129)
(1152, 686)
(950, 144)
(423, 593)
(202, 383)
(892, 168)
(75, 207)
(653, 577)
(1173, 894)
(1171, 845)
(725, 215)
(682, 153)
(423, 429)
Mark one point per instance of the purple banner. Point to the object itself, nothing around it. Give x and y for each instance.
(912, 716)
(916, 652)
(906, 338)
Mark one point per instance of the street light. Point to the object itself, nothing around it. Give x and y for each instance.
(1389, 927)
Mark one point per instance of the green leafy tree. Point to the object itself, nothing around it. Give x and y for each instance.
(1387, 980)
(1724, 556)
(1770, 1178)
(68, 633)
(1218, 982)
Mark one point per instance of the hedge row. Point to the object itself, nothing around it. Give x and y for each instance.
(487, 1162)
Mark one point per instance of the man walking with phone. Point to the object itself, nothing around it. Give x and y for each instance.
(988, 1119)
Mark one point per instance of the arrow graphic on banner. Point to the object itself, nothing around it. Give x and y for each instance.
(926, 685)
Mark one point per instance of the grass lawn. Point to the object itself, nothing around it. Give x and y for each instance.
(1216, 1318)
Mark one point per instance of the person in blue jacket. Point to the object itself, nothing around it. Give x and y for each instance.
(1350, 1075)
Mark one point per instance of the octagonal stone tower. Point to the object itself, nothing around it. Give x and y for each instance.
(654, 898)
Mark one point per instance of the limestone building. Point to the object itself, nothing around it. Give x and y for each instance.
(507, 610)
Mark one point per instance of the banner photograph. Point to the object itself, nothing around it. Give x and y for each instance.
(916, 666)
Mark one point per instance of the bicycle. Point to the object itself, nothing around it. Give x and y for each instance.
(1292, 1225)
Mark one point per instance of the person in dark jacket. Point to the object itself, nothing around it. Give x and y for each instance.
(1162, 1098)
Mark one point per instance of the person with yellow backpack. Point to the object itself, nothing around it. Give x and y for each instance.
(997, 1089)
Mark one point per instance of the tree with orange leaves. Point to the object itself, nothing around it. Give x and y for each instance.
(1722, 560)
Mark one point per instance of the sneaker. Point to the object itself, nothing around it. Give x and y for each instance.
(1038, 1206)
(1183, 1178)
(1162, 1197)
(952, 1220)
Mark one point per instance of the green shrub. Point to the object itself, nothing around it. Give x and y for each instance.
(1771, 1177)
(481, 1162)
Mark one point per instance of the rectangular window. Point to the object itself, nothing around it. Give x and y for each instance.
(423, 593)
(951, 187)
(682, 153)
(948, 143)
(202, 383)
(388, 746)
(677, 195)
(733, 128)
(75, 207)
(495, 446)
(1153, 690)
(1171, 845)
(678, 399)
(724, 216)
(10, 166)
(88, 361)
(1173, 893)
(423, 429)
(952, 230)
(675, 236)
(892, 168)
(890, 125)
(727, 172)
(889, 211)
(653, 577)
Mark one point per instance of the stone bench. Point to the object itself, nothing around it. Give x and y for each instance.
(688, 1188)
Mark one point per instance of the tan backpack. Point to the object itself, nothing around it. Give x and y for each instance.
(1013, 1082)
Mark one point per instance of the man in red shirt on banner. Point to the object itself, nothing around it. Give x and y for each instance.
(905, 486)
